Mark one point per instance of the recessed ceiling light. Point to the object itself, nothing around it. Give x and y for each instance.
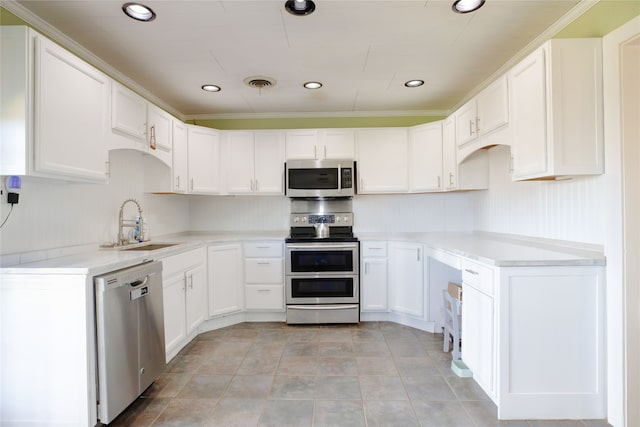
(414, 83)
(300, 7)
(138, 12)
(211, 88)
(313, 85)
(466, 6)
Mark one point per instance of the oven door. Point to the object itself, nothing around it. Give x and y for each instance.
(334, 259)
(322, 289)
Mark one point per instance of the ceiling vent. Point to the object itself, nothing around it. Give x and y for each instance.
(259, 82)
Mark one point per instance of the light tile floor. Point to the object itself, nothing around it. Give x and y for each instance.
(272, 374)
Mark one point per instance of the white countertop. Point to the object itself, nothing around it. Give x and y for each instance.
(502, 249)
(489, 248)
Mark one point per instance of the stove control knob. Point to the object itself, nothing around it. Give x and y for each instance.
(338, 219)
(296, 219)
(304, 219)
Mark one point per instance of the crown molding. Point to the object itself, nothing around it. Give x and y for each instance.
(68, 43)
(340, 114)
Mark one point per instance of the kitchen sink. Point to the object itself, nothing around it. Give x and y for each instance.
(150, 247)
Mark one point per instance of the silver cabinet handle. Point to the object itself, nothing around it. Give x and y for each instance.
(152, 138)
(418, 252)
(257, 185)
(475, 273)
(107, 169)
(450, 178)
(315, 152)
(178, 182)
(325, 151)
(439, 185)
(478, 124)
(470, 127)
(264, 290)
(191, 184)
(264, 263)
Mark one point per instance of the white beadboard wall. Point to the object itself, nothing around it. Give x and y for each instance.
(59, 214)
(414, 212)
(378, 213)
(240, 213)
(572, 209)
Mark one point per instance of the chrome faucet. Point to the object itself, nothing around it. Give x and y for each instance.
(129, 223)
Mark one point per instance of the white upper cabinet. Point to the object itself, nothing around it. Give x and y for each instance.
(159, 133)
(255, 162)
(449, 159)
(466, 123)
(204, 160)
(337, 143)
(488, 111)
(180, 168)
(425, 157)
(557, 111)
(144, 126)
(320, 144)
(128, 113)
(383, 159)
(55, 110)
(472, 173)
(493, 106)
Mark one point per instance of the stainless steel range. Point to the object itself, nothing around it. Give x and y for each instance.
(321, 266)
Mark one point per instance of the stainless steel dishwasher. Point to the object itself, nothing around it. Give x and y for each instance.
(129, 335)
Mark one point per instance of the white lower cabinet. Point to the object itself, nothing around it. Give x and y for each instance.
(406, 284)
(264, 275)
(533, 338)
(478, 336)
(373, 277)
(225, 279)
(185, 291)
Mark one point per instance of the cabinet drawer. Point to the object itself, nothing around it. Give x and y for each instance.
(263, 270)
(183, 261)
(477, 275)
(374, 249)
(263, 249)
(264, 297)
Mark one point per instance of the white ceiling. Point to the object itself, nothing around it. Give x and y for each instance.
(362, 51)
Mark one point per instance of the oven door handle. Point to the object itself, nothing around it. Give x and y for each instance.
(323, 246)
(323, 307)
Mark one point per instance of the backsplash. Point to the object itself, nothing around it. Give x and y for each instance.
(572, 209)
(58, 214)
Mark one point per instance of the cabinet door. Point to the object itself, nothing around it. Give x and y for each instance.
(466, 125)
(406, 286)
(204, 160)
(128, 112)
(225, 279)
(426, 157)
(373, 285)
(528, 115)
(268, 163)
(338, 143)
(174, 312)
(478, 335)
(449, 158)
(159, 126)
(383, 158)
(302, 144)
(180, 157)
(71, 114)
(240, 179)
(493, 106)
(196, 297)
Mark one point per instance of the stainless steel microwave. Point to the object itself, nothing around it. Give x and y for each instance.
(320, 178)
